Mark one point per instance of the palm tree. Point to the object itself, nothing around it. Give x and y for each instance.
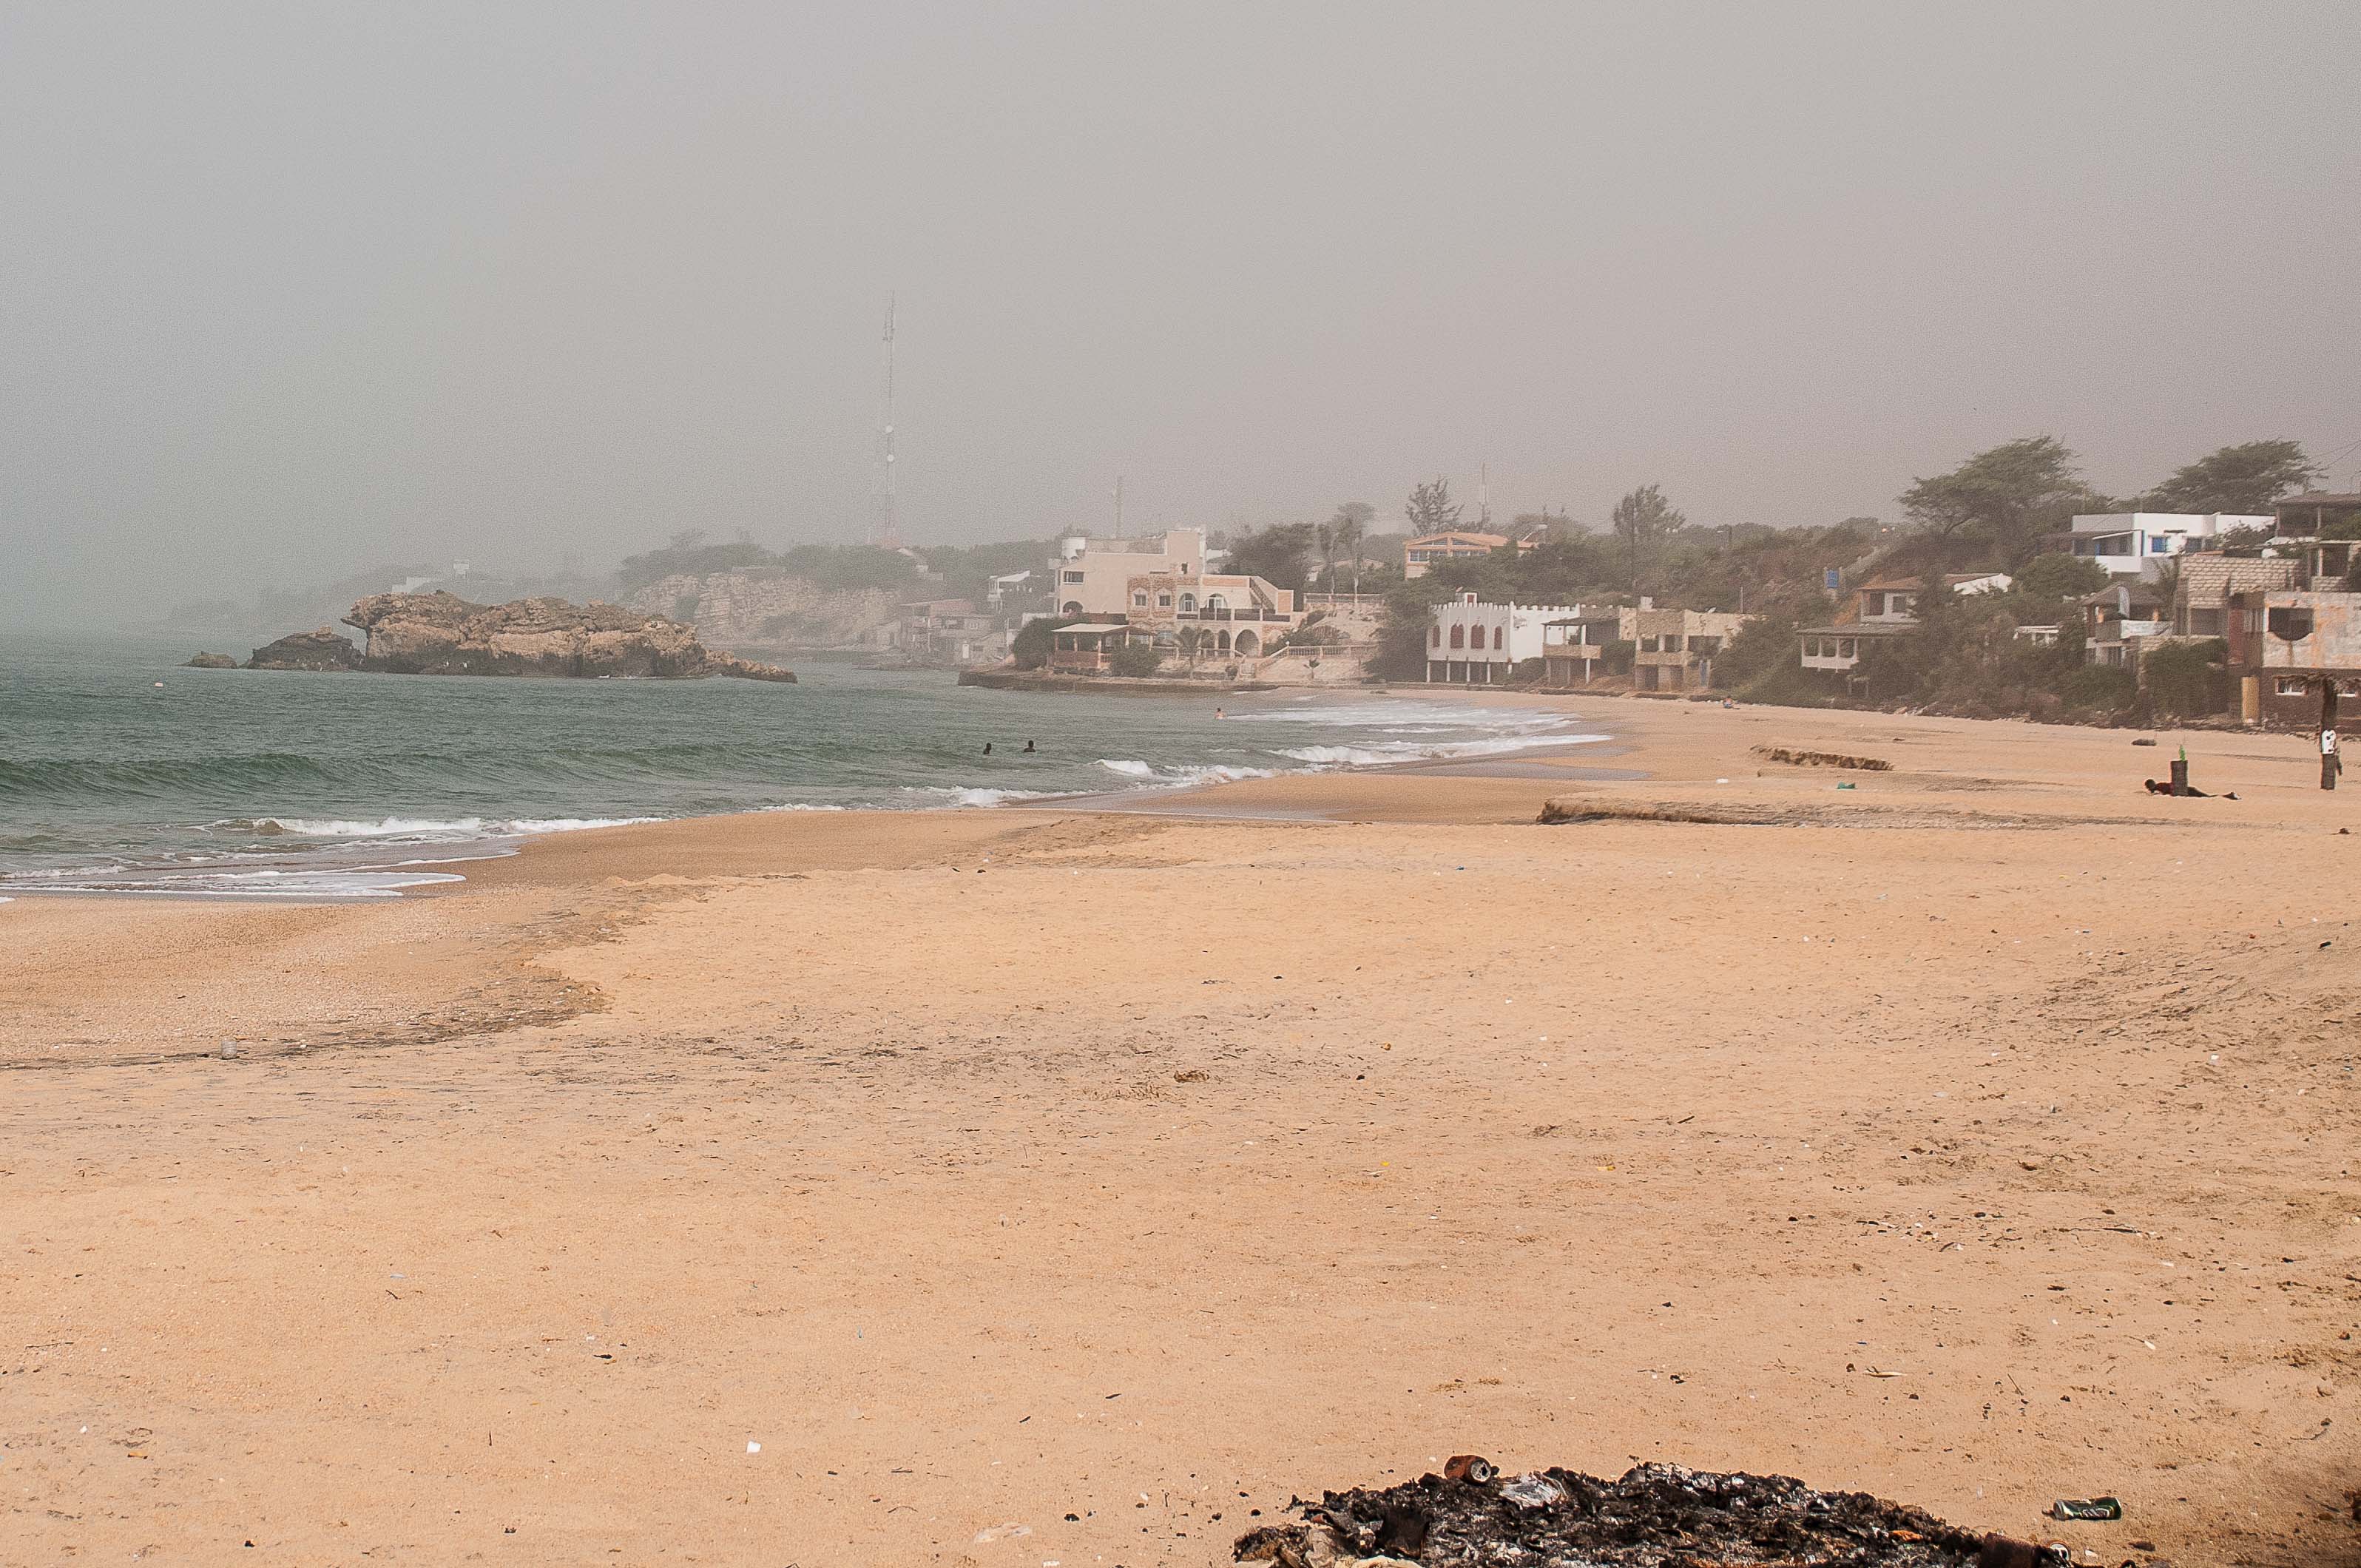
(1347, 528)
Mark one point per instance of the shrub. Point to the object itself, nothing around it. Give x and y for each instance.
(1136, 660)
(2188, 679)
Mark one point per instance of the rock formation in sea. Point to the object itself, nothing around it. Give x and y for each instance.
(442, 634)
(319, 650)
(214, 662)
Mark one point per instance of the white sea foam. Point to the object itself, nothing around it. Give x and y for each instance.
(1391, 754)
(276, 882)
(946, 795)
(423, 826)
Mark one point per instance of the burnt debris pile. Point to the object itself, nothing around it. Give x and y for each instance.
(1656, 1515)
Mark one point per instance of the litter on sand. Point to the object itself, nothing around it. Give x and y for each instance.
(1654, 1514)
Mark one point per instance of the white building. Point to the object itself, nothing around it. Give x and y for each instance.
(2135, 543)
(1469, 642)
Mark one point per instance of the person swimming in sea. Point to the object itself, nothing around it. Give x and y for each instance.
(1029, 748)
(987, 748)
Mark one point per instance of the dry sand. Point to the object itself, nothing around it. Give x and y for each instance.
(1982, 1135)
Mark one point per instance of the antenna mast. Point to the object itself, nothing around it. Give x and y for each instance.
(885, 523)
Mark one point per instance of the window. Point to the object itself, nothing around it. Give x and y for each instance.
(1434, 637)
(1648, 644)
(1139, 598)
(1073, 576)
(1164, 601)
(1496, 637)
(1459, 637)
(1844, 648)
(1188, 604)
(2348, 687)
(2205, 623)
(2290, 685)
(1672, 643)
(2159, 544)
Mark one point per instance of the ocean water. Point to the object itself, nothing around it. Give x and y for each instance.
(120, 771)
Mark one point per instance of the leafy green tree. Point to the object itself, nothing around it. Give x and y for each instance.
(2001, 501)
(2246, 478)
(1430, 509)
(1030, 647)
(1641, 522)
(1276, 553)
(2059, 576)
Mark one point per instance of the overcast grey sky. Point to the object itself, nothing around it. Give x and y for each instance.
(291, 290)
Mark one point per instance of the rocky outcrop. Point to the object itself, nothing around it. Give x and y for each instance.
(217, 660)
(442, 634)
(320, 650)
(765, 610)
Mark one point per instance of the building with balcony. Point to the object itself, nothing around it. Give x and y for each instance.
(1093, 576)
(2304, 516)
(2286, 642)
(1216, 615)
(1674, 649)
(1575, 649)
(1422, 554)
(2135, 544)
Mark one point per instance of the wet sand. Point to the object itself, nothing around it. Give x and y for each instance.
(1975, 1136)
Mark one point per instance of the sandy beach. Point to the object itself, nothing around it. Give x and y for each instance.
(1073, 1186)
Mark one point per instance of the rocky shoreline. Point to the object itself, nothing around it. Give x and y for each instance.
(442, 634)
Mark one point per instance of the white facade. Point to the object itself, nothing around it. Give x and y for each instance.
(1469, 640)
(2134, 543)
(1093, 576)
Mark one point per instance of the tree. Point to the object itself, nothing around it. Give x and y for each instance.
(1430, 509)
(1641, 522)
(1347, 529)
(1030, 647)
(1275, 553)
(2060, 577)
(2003, 499)
(2246, 478)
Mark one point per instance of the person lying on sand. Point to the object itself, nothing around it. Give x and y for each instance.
(2156, 788)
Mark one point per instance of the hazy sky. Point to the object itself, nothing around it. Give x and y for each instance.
(291, 290)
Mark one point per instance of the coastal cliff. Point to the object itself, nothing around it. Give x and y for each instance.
(769, 609)
(442, 634)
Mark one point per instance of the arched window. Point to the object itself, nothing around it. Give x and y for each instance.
(1224, 642)
(1459, 637)
(1073, 607)
(1434, 637)
(1188, 604)
(1215, 601)
(1497, 632)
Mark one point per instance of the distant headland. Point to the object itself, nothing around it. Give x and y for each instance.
(442, 634)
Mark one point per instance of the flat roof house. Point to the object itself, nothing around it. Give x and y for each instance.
(1420, 554)
(2135, 544)
(1472, 644)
